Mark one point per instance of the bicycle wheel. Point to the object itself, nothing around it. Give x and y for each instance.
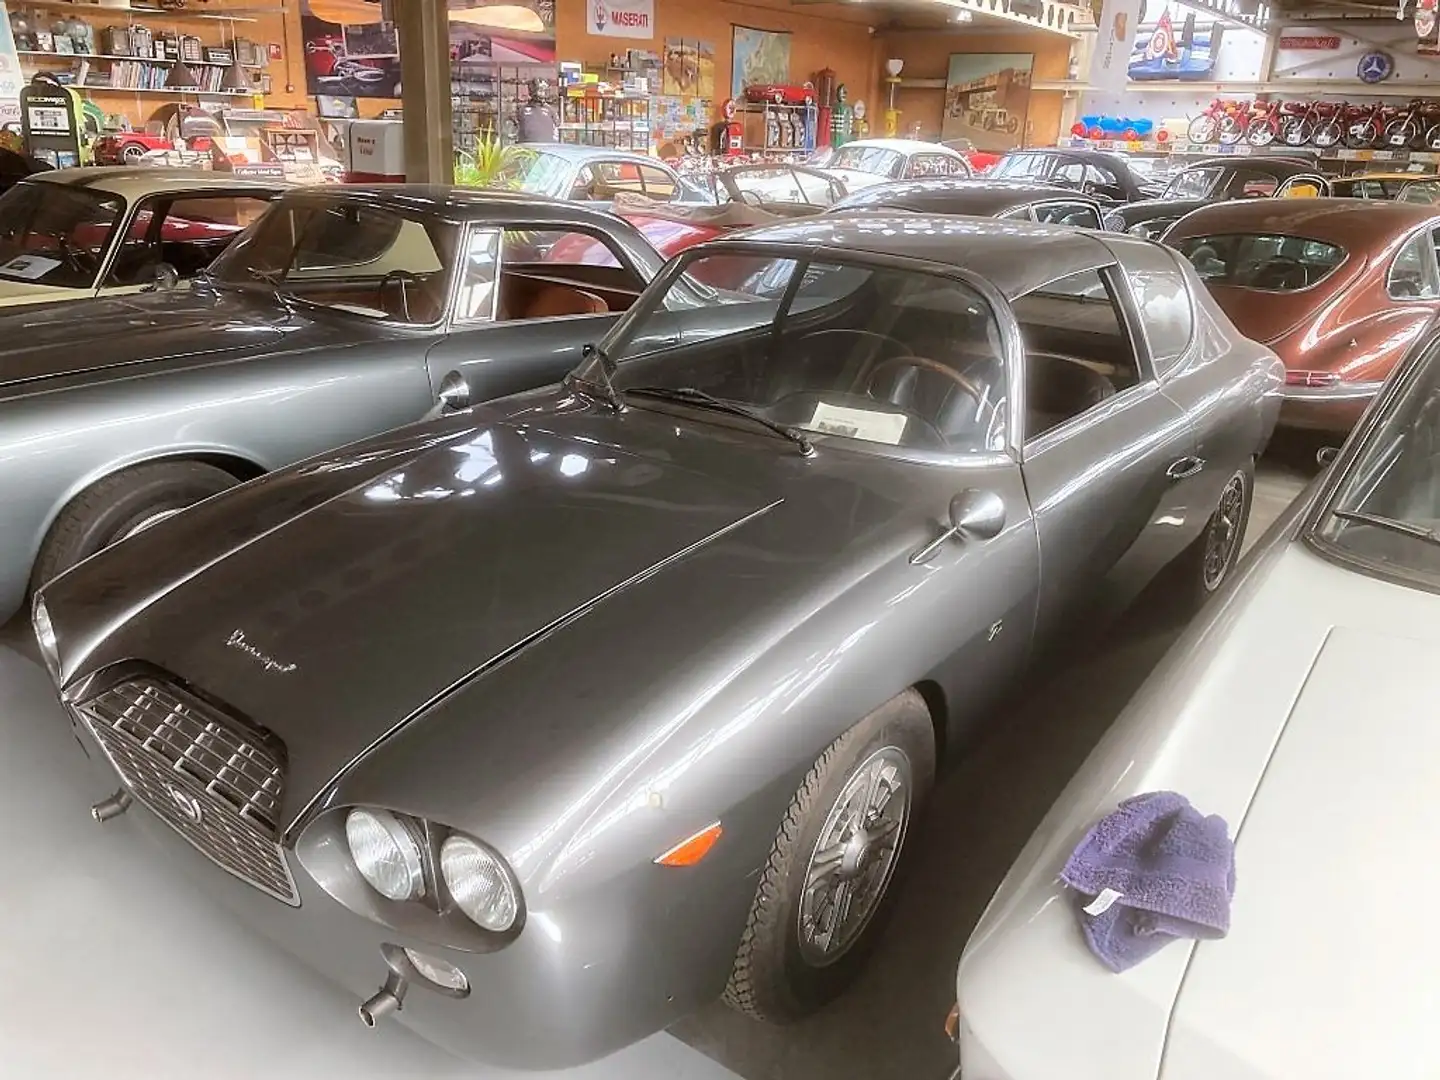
(1231, 131)
(1203, 129)
(1259, 132)
(1327, 133)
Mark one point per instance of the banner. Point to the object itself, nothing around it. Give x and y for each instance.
(1110, 62)
(11, 79)
(621, 18)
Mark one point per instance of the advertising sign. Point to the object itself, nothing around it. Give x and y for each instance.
(11, 79)
(1119, 20)
(621, 18)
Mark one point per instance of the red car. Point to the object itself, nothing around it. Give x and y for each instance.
(128, 147)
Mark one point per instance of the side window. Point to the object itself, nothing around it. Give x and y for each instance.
(1071, 174)
(185, 234)
(1078, 351)
(930, 165)
(1413, 274)
(1421, 191)
(614, 177)
(1300, 187)
(1077, 214)
(583, 189)
(1249, 184)
(475, 301)
(546, 273)
(1104, 177)
(1164, 303)
(1018, 166)
(657, 183)
(563, 247)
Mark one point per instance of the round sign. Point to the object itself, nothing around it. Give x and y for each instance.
(859, 110)
(1375, 67)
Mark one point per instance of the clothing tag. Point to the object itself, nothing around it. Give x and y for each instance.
(1101, 903)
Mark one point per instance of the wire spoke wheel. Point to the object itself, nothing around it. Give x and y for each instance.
(854, 857)
(1223, 533)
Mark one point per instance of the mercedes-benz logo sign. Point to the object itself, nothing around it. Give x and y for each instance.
(186, 803)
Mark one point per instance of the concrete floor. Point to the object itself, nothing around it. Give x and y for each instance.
(107, 970)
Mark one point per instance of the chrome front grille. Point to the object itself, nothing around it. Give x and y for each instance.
(216, 786)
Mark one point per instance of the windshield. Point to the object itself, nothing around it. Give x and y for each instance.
(1389, 499)
(55, 234)
(538, 173)
(360, 259)
(1193, 183)
(1421, 191)
(899, 358)
(781, 184)
(872, 159)
(1274, 263)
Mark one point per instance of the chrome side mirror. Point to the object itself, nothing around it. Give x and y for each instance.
(1326, 455)
(978, 515)
(165, 278)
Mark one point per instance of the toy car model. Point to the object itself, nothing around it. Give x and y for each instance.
(624, 694)
(127, 147)
(343, 313)
(779, 94)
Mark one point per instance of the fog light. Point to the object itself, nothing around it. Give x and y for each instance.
(446, 976)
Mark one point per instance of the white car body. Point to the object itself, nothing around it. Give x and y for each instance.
(1300, 706)
(855, 179)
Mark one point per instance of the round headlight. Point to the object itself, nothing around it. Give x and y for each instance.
(454, 392)
(478, 881)
(45, 637)
(385, 853)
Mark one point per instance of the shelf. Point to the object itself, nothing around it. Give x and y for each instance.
(232, 15)
(170, 90)
(1282, 87)
(108, 56)
(1181, 147)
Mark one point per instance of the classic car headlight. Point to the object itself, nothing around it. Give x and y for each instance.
(454, 392)
(479, 882)
(385, 853)
(45, 638)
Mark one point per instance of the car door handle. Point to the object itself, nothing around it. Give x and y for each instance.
(1185, 468)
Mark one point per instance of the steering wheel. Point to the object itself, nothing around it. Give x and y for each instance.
(976, 393)
(81, 262)
(751, 198)
(403, 278)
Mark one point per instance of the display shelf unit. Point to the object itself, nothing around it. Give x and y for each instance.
(615, 121)
(49, 54)
(88, 10)
(768, 128)
(486, 97)
(1185, 148)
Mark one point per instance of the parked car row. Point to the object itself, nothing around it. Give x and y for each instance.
(419, 698)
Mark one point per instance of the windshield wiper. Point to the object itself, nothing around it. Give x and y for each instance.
(1419, 532)
(690, 395)
(604, 388)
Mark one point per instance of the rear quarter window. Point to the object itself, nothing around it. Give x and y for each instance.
(1164, 303)
(1271, 263)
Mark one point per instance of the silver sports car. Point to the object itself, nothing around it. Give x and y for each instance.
(343, 312)
(541, 724)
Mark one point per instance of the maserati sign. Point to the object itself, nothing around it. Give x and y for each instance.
(621, 18)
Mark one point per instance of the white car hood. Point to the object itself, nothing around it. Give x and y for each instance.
(1305, 719)
(1330, 966)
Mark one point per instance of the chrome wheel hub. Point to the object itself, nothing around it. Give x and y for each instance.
(854, 857)
(1223, 533)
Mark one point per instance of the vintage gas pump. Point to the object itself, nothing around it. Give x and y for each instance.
(50, 121)
(732, 133)
(825, 99)
(842, 120)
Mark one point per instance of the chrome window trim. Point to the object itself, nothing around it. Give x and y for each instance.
(1430, 258)
(452, 318)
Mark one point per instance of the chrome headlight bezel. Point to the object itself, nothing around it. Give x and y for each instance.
(45, 638)
(485, 891)
(405, 855)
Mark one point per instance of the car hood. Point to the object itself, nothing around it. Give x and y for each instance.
(1342, 830)
(68, 339)
(334, 601)
(1295, 711)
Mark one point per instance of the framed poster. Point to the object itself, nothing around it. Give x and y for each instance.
(758, 58)
(705, 63)
(987, 96)
(681, 77)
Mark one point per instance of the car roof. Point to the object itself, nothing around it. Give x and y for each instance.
(1282, 167)
(136, 181)
(1357, 224)
(905, 146)
(459, 203)
(1016, 257)
(956, 195)
(1108, 156)
(581, 154)
(1383, 176)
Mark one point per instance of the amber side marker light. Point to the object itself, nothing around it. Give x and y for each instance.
(693, 848)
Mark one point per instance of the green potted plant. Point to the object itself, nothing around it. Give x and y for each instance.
(493, 164)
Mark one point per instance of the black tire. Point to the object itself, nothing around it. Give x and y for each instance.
(772, 978)
(1197, 578)
(113, 507)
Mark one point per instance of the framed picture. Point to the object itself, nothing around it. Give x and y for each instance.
(987, 97)
(758, 58)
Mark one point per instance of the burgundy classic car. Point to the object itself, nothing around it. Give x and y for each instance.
(1339, 288)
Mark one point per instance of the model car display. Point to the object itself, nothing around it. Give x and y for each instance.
(1338, 288)
(863, 162)
(1105, 175)
(73, 233)
(980, 198)
(596, 174)
(1298, 708)
(1217, 180)
(382, 706)
(342, 313)
(127, 147)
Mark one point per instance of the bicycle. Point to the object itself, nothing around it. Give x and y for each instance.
(1220, 122)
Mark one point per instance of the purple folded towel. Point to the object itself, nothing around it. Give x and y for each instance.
(1154, 870)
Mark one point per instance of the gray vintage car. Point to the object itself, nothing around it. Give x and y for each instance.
(342, 313)
(542, 724)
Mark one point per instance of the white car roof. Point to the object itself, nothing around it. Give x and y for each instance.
(906, 146)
